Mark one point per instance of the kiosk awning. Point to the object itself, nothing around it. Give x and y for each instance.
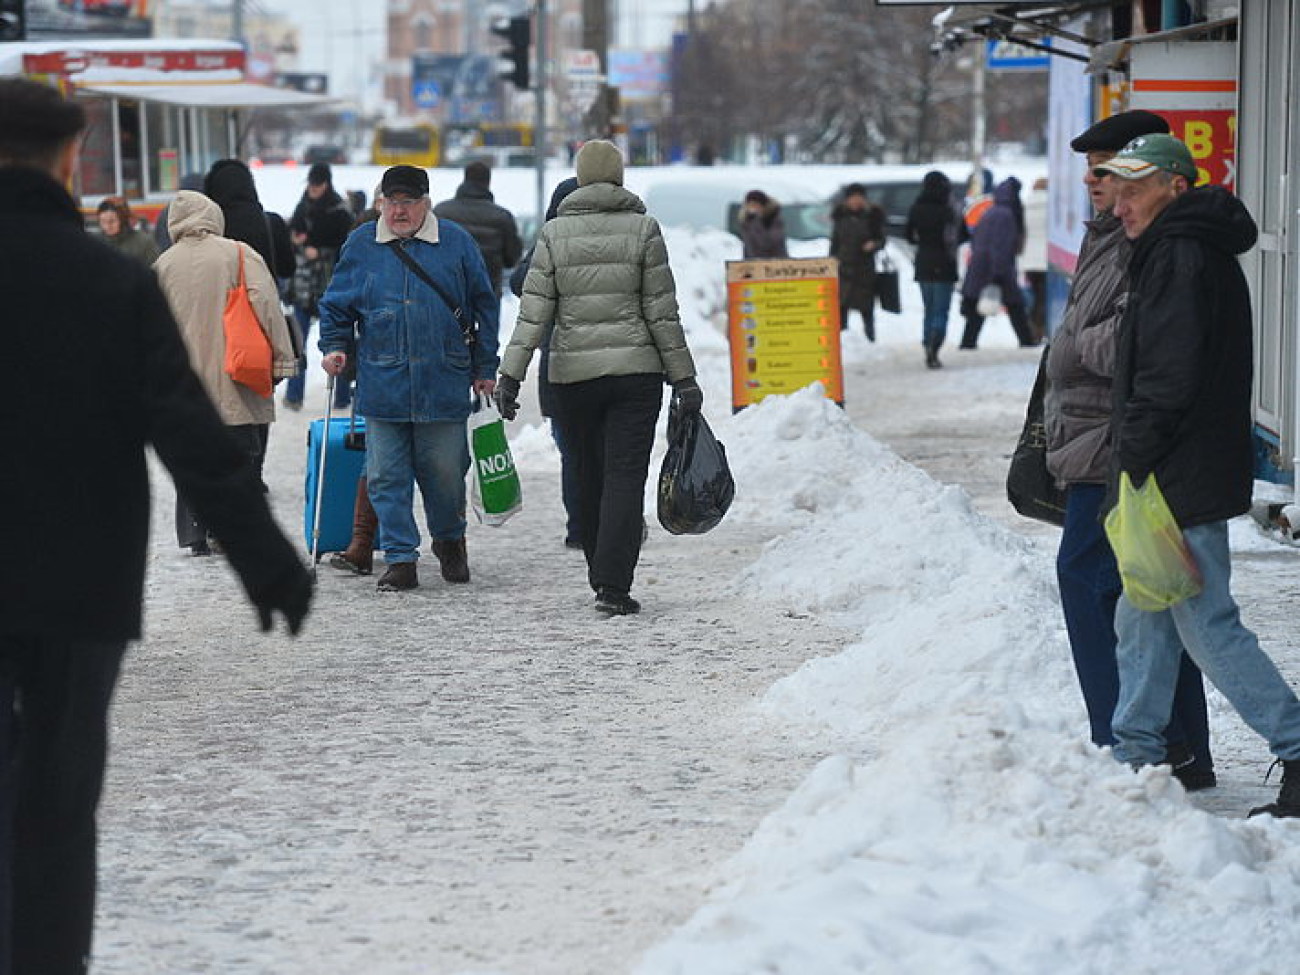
(240, 94)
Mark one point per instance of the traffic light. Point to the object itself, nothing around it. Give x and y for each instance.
(519, 32)
(13, 20)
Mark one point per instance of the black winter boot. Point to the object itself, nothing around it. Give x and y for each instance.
(1287, 804)
(400, 577)
(453, 559)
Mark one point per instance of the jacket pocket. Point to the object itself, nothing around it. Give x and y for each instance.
(383, 338)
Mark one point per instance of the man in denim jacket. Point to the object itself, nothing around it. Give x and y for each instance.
(416, 366)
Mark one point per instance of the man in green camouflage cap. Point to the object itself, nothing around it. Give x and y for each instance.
(1181, 415)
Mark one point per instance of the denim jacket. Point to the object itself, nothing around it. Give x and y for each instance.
(413, 365)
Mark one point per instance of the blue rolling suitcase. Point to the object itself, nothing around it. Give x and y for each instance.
(343, 466)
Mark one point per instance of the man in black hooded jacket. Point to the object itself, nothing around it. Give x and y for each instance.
(1182, 415)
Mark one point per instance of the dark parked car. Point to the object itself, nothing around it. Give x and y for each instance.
(334, 155)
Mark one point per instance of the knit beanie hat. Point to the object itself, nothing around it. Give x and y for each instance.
(599, 161)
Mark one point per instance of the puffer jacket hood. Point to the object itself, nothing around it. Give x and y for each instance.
(192, 215)
(1210, 215)
(600, 198)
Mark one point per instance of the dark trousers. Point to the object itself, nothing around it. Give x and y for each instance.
(253, 438)
(564, 442)
(54, 698)
(613, 424)
(1090, 588)
(1014, 302)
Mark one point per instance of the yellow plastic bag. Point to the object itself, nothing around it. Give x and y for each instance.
(1155, 564)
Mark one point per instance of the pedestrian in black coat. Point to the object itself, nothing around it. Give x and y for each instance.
(932, 225)
(105, 375)
(857, 233)
(491, 225)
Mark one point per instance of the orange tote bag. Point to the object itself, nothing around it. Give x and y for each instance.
(248, 353)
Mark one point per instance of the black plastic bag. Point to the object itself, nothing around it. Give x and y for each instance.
(1031, 489)
(695, 484)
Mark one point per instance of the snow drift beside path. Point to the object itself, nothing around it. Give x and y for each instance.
(960, 824)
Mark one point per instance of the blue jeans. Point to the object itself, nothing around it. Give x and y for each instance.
(1209, 627)
(1090, 588)
(295, 384)
(400, 455)
(936, 296)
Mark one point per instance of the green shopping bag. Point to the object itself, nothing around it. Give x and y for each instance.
(1155, 564)
(495, 492)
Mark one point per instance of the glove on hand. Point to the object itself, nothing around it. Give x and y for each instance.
(506, 396)
(291, 596)
(690, 398)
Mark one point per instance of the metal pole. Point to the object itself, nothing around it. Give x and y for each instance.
(237, 21)
(978, 136)
(539, 123)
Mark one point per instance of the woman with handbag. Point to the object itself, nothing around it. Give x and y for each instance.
(197, 273)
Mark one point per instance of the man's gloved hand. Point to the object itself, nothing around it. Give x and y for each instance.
(507, 397)
(690, 398)
(291, 595)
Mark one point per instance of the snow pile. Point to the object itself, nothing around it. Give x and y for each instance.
(960, 823)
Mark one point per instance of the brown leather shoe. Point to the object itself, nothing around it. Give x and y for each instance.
(453, 559)
(399, 578)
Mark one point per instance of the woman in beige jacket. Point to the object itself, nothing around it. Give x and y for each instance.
(196, 272)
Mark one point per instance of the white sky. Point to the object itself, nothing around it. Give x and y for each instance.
(346, 37)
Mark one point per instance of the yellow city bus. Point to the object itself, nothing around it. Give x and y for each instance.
(411, 144)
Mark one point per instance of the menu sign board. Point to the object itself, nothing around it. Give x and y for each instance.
(784, 327)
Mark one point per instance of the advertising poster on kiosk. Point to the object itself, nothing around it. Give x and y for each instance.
(784, 328)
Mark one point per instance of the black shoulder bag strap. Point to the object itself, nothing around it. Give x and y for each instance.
(466, 325)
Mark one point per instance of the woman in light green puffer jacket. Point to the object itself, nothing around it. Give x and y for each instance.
(600, 273)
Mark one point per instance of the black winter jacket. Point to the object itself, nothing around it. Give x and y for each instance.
(932, 227)
(492, 227)
(1184, 365)
(104, 373)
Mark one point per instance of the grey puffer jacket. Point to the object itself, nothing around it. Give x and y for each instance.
(600, 273)
(1081, 361)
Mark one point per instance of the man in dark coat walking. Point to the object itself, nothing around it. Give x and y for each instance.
(105, 376)
(491, 225)
(320, 224)
(1182, 415)
(857, 232)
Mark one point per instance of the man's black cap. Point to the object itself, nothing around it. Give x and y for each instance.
(410, 180)
(1114, 133)
(319, 174)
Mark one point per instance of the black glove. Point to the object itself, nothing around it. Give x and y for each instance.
(290, 595)
(506, 396)
(690, 398)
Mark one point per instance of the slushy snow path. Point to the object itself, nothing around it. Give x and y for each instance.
(842, 738)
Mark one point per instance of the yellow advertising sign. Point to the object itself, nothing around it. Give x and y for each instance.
(783, 320)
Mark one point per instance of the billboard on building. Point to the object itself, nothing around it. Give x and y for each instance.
(64, 19)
